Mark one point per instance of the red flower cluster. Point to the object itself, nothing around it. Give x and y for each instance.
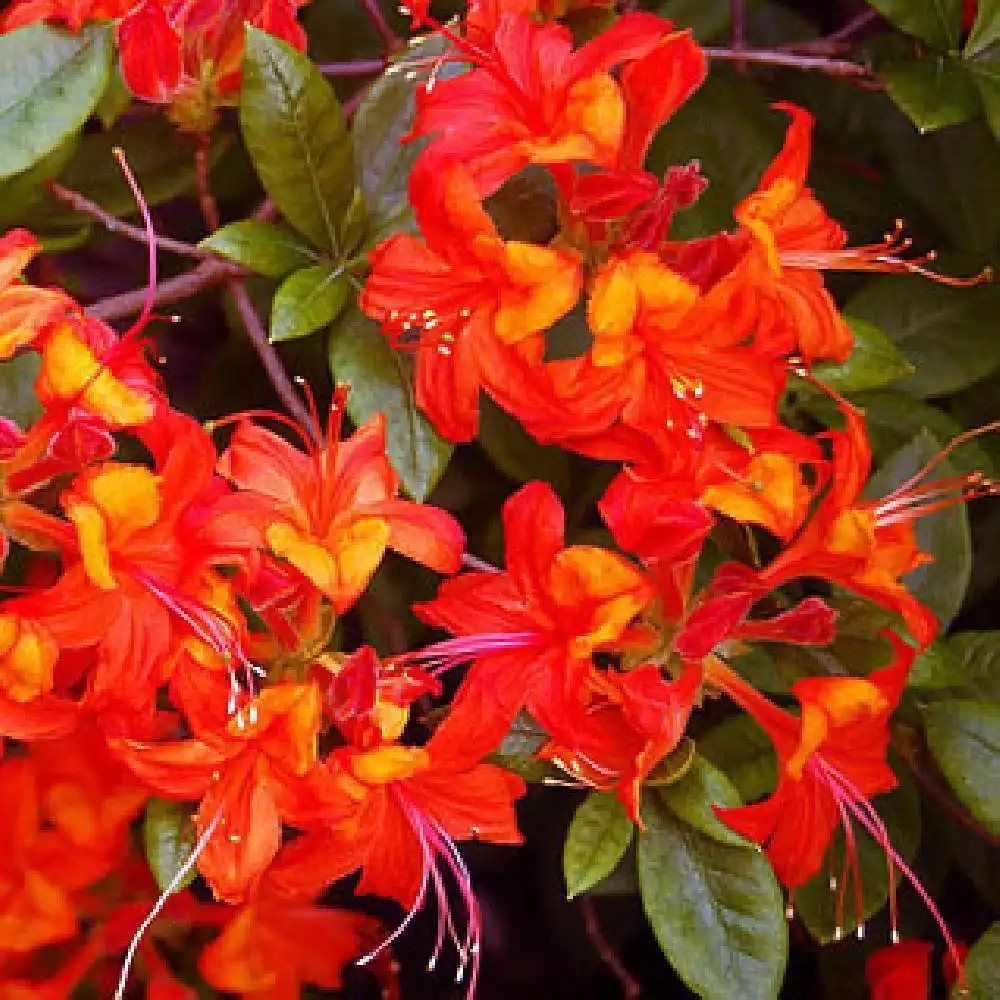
(175, 638)
(179, 53)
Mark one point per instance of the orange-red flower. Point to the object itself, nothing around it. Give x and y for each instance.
(459, 287)
(74, 13)
(240, 772)
(333, 513)
(187, 54)
(531, 631)
(533, 99)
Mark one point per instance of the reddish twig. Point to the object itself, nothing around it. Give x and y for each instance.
(630, 986)
(209, 274)
(268, 356)
(82, 204)
(790, 60)
(943, 797)
(356, 67)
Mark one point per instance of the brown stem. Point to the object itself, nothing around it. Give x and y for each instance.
(208, 274)
(275, 370)
(82, 204)
(630, 986)
(269, 359)
(775, 57)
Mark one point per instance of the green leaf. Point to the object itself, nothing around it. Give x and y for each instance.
(985, 29)
(933, 91)
(965, 665)
(947, 334)
(50, 82)
(982, 968)
(382, 381)
(716, 909)
(294, 130)
(115, 100)
(169, 836)
(816, 901)
(937, 22)
(944, 535)
(384, 116)
(260, 246)
(18, 401)
(691, 800)
(597, 839)
(727, 127)
(21, 193)
(708, 19)
(744, 753)
(307, 300)
(964, 737)
(986, 78)
(875, 362)
(518, 455)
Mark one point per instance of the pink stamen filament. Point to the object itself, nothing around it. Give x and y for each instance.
(857, 804)
(450, 653)
(148, 303)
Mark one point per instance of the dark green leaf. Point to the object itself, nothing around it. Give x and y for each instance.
(518, 455)
(964, 737)
(260, 246)
(965, 665)
(816, 901)
(985, 29)
(744, 753)
(382, 381)
(937, 22)
(115, 100)
(986, 78)
(727, 127)
(933, 91)
(294, 130)
(169, 835)
(50, 82)
(944, 535)
(875, 362)
(18, 401)
(691, 799)
(949, 335)
(383, 117)
(21, 193)
(596, 841)
(708, 19)
(307, 300)
(982, 968)
(716, 909)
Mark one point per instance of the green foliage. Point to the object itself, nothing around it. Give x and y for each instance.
(596, 842)
(947, 334)
(50, 82)
(742, 751)
(692, 798)
(965, 665)
(964, 737)
(382, 382)
(936, 22)
(985, 29)
(874, 363)
(294, 130)
(169, 838)
(982, 968)
(308, 299)
(260, 246)
(715, 908)
(933, 91)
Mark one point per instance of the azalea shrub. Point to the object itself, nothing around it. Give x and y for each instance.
(498, 499)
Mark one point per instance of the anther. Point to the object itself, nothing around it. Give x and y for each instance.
(464, 312)
(444, 350)
(860, 932)
(833, 878)
(432, 963)
(838, 933)
(789, 912)
(252, 714)
(234, 838)
(894, 935)
(241, 723)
